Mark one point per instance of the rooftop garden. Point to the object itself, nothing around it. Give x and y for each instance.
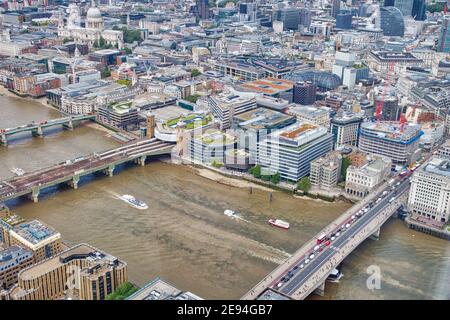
(122, 292)
(190, 121)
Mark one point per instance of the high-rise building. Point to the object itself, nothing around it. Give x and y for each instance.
(391, 21)
(335, 7)
(305, 93)
(248, 10)
(419, 10)
(289, 16)
(389, 3)
(94, 274)
(429, 195)
(405, 6)
(390, 108)
(305, 17)
(343, 67)
(344, 20)
(290, 150)
(388, 139)
(203, 9)
(444, 37)
(345, 129)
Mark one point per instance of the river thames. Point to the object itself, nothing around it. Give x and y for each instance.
(185, 238)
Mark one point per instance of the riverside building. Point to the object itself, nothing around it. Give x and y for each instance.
(390, 140)
(82, 272)
(290, 151)
(429, 195)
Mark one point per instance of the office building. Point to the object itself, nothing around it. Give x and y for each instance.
(7, 222)
(41, 239)
(159, 289)
(335, 7)
(12, 260)
(344, 20)
(419, 10)
(310, 114)
(210, 146)
(120, 114)
(226, 105)
(429, 195)
(326, 171)
(94, 274)
(289, 16)
(443, 44)
(290, 151)
(304, 93)
(360, 181)
(391, 22)
(380, 61)
(390, 140)
(203, 11)
(343, 68)
(405, 6)
(345, 129)
(256, 124)
(305, 18)
(273, 87)
(444, 150)
(390, 107)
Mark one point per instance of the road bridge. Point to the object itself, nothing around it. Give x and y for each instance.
(308, 268)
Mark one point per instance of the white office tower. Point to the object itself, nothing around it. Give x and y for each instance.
(429, 195)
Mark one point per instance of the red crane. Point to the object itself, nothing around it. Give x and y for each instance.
(379, 103)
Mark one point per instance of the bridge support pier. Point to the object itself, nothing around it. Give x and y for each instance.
(37, 132)
(320, 290)
(110, 170)
(4, 140)
(35, 194)
(141, 160)
(74, 182)
(68, 126)
(376, 235)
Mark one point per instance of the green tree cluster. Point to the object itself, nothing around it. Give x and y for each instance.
(304, 184)
(436, 7)
(256, 172)
(216, 164)
(193, 98)
(346, 162)
(106, 73)
(122, 292)
(129, 35)
(195, 73)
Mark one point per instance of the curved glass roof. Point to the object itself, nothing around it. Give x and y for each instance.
(322, 79)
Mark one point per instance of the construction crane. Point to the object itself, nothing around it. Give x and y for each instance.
(379, 103)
